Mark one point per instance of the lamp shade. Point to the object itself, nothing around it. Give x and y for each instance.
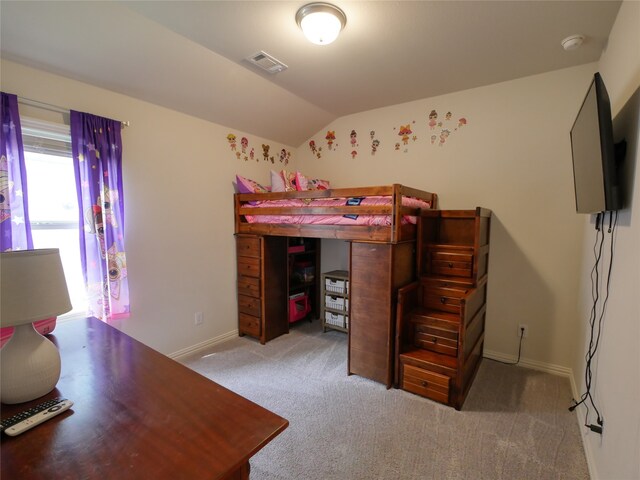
(32, 286)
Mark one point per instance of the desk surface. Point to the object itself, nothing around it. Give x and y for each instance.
(136, 414)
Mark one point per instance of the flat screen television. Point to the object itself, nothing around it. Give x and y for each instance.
(595, 169)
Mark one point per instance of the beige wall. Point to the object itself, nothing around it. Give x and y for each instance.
(178, 173)
(614, 454)
(514, 157)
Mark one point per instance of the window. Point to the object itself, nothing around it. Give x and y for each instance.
(53, 202)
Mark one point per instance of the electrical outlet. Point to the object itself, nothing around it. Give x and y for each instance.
(523, 330)
(199, 318)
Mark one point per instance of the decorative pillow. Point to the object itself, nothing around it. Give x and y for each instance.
(246, 185)
(277, 182)
(301, 182)
(289, 180)
(317, 184)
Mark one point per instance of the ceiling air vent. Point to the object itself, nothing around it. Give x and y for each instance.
(267, 62)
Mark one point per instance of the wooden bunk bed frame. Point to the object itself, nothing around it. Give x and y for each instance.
(382, 259)
(394, 233)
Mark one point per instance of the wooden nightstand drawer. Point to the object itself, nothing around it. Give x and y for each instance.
(249, 286)
(452, 264)
(249, 266)
(248, 246)
(249, 305)
(248, 324)
(428, 384)
(436, 339)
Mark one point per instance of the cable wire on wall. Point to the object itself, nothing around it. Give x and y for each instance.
(596, 318)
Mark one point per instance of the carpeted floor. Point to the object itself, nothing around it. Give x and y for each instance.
(514, 423)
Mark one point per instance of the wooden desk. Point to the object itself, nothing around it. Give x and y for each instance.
(136, 414)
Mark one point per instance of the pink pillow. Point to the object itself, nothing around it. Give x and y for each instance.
(246, 185)
(301, 182)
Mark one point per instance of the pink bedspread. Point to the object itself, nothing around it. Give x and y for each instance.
(379, 220)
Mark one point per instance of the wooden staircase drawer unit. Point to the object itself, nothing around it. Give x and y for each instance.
(248, 246)
(249, 305)
(450, 263)
(249, 286)
(249, 324)
(249, 266)
(436, 339)
(446, 299)
(425, 383)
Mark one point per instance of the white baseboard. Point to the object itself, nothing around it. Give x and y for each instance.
(533, 365)
(563, 372)
(202, 346)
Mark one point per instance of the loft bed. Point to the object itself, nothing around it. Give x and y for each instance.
(383, 214)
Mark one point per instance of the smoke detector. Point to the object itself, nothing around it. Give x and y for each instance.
(572, 42)
(267, 63)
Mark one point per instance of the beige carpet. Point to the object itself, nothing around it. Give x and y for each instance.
(514, 424)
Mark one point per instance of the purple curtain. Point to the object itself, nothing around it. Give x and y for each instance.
(97, 158)
(15, 228)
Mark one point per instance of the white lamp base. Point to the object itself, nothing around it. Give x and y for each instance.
(30, 366)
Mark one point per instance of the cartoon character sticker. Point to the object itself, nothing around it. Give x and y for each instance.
(444, 134)
(462, 122)
(354, 139)
(372, 134)
(5, 190)
(374, 146)
(433, 119)
(244, 143)
(330, 137)
(252, 154)
(405, 132)
(231, 138)
(354, 153)
(265, 152)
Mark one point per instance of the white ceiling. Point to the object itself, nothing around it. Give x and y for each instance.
(189, 56)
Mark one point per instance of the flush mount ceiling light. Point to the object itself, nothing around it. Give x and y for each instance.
(572, 42)
(321, 22)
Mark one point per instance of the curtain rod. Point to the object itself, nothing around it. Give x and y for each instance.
(54, 108)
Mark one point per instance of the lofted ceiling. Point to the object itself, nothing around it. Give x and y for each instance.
(190, 55)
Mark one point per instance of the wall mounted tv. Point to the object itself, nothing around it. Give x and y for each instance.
(595, 157)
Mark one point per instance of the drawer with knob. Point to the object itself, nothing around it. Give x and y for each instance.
(425, 383)
(452, 264)
(445, 299)
(436, 339)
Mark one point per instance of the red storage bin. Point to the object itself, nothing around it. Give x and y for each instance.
(298, 307)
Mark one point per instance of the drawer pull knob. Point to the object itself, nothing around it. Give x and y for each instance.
(434, 340)
(424, 383)
(450, 265)
(443, 299)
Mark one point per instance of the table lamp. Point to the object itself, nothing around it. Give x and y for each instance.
(32, 287)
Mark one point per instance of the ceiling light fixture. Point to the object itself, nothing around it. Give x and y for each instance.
(572, 42)
(321, 22)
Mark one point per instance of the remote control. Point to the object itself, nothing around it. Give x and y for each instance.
(42, 412)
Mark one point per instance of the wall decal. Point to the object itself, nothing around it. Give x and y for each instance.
(405, 131)
(252, 154)
(232, 141)
(331, 136)
(374, 146)
(433, 119)
(354, 138)
(372, 133)
(284, 156)
(354, 153)
(244, 143)
(316, 151)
